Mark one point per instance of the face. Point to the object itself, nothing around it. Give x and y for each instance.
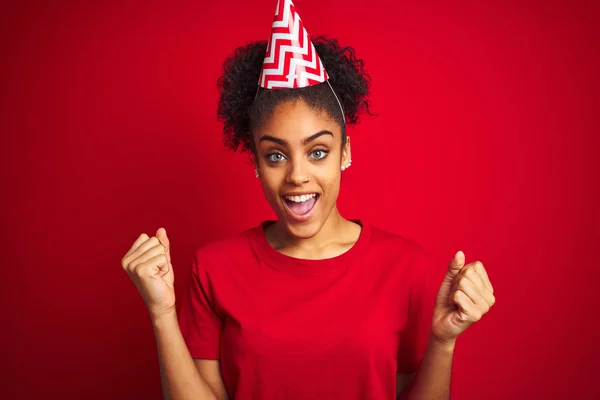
(299, 156)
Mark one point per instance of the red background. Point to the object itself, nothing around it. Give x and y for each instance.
(486, 141)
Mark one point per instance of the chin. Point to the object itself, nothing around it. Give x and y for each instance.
(304, 230)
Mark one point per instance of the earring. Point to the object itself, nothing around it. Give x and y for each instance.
(256, 172)
(345, 167)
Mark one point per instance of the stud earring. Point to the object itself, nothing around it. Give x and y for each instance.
(345, 167)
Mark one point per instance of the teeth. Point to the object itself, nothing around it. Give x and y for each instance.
(301, 199)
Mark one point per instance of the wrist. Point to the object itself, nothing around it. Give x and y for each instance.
(163, 317)
(444, 344)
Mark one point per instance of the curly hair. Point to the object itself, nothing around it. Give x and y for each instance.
(243, 106)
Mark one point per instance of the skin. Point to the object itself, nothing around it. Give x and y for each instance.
(299, 149)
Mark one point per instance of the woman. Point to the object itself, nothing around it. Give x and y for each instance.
(311, 306)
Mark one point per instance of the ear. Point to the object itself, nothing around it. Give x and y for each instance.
(253, 156)
(346, 152)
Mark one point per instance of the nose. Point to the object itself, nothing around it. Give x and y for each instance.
(297, 173)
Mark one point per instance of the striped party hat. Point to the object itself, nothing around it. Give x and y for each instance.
(291, 60)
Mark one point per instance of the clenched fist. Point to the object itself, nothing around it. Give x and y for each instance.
(466, 294)
(148, 264)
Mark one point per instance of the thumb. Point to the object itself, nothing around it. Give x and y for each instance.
(457, 263)
(161, 235)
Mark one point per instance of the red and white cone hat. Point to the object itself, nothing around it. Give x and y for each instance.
(291, 60)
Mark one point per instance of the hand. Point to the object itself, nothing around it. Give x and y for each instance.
(465, 295)
(148, 264)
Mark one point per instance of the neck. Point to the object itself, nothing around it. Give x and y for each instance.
(330, 232)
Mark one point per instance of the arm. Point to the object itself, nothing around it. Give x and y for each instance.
(432, 380)
(465, 295)
(402, 381)
(182, 377)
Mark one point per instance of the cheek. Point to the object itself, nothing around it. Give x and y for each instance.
(271, 185)
(330, 182)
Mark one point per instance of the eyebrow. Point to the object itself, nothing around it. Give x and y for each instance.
(304, 141)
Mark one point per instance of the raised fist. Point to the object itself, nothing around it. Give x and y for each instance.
(148, 263)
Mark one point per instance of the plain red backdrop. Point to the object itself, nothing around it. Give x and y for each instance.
(486, 141)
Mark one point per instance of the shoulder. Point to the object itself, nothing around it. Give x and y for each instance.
(409, 260)
(397, 243)
(227, 248)
(401, 251)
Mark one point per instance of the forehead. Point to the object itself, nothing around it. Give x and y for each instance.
(296, 120)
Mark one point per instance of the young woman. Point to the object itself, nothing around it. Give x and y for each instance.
(313, 305)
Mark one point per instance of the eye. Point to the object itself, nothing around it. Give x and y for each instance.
(275, 157)
(319, 154)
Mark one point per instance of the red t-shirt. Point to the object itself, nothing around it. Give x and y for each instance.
(288, 328)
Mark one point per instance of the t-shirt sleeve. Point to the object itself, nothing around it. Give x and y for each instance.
(200, 324)
(422, 296)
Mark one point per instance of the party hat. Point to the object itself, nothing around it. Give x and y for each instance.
(291, 60)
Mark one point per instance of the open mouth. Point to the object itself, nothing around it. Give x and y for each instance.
(300, 207)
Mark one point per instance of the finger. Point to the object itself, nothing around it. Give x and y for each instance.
(457, 263)
(153, 266)
(147, 255)
(480, 269)
(473, 270)
(481, 288)
(467, 310)
(141, 239)
(478, 298)
(473, 276)
(464, 270)
(161, 234)
(148, 244)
